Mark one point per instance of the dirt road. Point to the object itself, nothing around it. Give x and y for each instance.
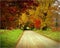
(30, 39)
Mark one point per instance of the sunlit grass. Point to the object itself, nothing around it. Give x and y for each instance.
(55, 35)
(8, 38)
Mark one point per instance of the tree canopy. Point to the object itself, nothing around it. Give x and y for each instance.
(17, 13)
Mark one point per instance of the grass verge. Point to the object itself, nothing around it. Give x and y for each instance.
(50, 34)
(8, 38)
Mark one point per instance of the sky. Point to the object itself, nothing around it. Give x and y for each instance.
(57, 3)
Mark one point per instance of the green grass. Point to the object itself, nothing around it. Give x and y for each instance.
(50, 34)
(9, 38)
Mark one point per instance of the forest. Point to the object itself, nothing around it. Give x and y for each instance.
(30, 14)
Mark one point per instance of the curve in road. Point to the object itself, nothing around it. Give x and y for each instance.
(30, 39)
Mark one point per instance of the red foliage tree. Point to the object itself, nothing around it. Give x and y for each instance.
(37, 23)
(10, 8)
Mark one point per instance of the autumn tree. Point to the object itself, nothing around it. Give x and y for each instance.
(12, 10)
